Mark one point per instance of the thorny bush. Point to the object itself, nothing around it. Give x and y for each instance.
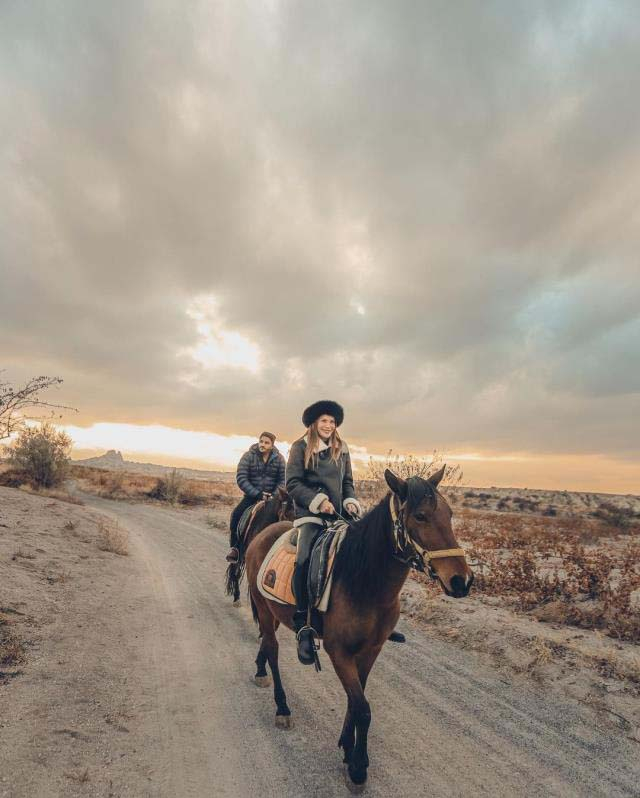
(534, 563)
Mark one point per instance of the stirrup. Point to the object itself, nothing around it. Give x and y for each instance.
(308, 634)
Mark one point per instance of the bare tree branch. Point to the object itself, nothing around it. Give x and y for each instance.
(16, 402)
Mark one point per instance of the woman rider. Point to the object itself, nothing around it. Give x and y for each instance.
(320, 481)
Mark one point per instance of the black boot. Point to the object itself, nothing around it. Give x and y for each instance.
(304, 633)
(305, 638)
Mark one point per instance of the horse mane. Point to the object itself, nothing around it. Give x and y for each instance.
(368, 543)
(365, 546)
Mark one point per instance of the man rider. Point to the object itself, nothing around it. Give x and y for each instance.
(260, 472)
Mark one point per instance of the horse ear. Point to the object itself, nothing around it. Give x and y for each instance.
(436, 478)
(397, 484)
(282, 494)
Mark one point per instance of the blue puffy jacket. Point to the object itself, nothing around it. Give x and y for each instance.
(255, 477)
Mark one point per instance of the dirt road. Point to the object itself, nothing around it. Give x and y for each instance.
(443, 724)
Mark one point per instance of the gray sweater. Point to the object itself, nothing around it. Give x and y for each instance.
(322, 479)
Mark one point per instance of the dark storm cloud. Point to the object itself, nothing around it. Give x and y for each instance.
(427, 210)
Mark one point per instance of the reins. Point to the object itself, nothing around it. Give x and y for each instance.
(408, 551)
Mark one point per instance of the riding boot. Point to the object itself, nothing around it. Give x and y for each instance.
(304, 632)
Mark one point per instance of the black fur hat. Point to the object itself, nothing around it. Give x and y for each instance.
(321, 408)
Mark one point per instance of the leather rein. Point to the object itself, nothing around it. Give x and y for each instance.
(408, 551)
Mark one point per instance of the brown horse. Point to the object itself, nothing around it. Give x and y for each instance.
(278, 507)
(410, 527)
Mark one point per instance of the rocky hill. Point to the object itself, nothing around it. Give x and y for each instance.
(114, 461)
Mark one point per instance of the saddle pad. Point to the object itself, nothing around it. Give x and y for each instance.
(276, 572)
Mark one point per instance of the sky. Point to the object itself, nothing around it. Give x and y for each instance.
(214, 213)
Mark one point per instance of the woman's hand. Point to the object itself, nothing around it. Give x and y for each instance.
(352, 508)
(327, 508)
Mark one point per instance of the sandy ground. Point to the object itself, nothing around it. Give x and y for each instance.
(137, 682)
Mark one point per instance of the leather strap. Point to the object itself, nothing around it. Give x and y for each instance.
(425, 554)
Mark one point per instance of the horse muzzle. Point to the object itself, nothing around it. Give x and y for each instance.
(459, 587)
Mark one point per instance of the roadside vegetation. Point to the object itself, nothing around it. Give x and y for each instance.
(41, 455)
(174, 488)
(582, 571)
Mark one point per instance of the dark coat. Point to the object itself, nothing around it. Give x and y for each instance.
(334, 480)
(255, 477)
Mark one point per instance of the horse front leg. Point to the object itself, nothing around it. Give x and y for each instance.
(347, 739)
(358, 719)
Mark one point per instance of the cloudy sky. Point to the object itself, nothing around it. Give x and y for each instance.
(214, 213)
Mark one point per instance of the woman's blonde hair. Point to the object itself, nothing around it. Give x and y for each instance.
(313, 439)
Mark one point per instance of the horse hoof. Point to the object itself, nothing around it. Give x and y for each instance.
(237, 603)
(262, 681)
(284, 721)
(354, 789)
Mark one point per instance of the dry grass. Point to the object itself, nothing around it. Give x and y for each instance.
(114, 539)
(572, 571)
(12, 651)
(216, 523)
(82, 776)
(123, 485)
(53, 493)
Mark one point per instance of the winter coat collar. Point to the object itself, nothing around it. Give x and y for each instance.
(273, 453)
(322, 446)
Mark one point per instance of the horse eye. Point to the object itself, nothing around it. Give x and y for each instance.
(420, 517)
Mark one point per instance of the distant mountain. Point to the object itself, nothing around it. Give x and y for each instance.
(113, 461)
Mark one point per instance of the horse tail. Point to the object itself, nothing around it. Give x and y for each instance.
(234, 576)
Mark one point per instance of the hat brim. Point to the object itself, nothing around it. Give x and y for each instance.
(325, 407)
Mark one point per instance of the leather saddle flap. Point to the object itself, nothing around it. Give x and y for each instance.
(245, 521)
(318, 565)
(276, 573)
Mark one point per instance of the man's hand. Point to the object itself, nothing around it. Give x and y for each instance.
(265, 496)
(327, 508)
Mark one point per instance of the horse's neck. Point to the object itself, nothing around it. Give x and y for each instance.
(392, 580)
(391, 574)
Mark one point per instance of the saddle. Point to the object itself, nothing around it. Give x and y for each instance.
(246, 519)
(275, 578)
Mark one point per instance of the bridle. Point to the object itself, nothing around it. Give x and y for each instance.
(407, 550)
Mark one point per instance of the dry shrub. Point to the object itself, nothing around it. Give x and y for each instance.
(190, 497)
(374, 486)
(169, 488)
(43, 453)
(14, 478)
(111, 485)
(623, 518)
(113, 539)
(537, 567)
(12, 651)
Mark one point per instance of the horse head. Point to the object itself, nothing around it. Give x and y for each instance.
(423, 531)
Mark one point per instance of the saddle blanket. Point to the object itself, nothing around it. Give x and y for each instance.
(276, 572)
